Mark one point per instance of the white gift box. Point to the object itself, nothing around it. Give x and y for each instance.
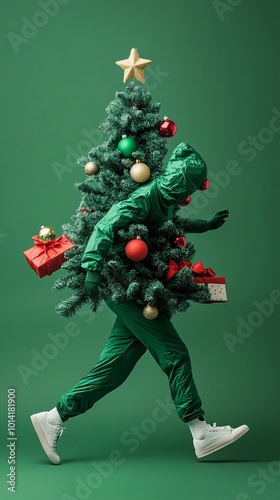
(216, 286)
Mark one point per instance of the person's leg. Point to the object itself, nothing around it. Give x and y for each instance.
(162, 340)
(118, 358)
(164, 343)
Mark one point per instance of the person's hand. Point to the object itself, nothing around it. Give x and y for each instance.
(219, 219)
(91, 284)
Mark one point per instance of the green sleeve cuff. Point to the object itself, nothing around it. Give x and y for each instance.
(93, 276)
(197, 226)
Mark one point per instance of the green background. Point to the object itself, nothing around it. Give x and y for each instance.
(215, 71)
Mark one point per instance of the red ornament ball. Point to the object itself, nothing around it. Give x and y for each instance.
(180, 241)
(167, 128)
(205, 185)
(186, 202)
(136, 250)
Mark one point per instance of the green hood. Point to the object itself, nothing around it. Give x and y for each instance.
(184, 174)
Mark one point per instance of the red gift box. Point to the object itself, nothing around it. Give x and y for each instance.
(47, 257)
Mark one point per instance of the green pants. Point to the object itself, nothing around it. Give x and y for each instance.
(131, 336)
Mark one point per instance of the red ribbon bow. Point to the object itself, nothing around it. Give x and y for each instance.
(174, 268)
(198, 269)
(49, 245)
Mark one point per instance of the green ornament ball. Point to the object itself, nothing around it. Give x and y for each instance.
(127, 146)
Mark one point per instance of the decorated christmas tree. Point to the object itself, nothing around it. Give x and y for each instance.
(148, 264)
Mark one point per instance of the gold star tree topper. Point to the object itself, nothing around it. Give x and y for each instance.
(134, 66)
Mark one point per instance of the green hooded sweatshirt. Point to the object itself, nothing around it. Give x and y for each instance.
(151, 204)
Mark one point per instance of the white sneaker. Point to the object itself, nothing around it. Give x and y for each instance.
(48, 435)
(217, 438)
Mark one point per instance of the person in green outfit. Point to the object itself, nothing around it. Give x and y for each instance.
(132, 334)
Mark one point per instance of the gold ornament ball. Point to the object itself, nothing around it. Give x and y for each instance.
(46, 233)
(150, 312)
(91, 168)
(140, 172)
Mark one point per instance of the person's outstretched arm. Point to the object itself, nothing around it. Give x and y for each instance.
(201, 226)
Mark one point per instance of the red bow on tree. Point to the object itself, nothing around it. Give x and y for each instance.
(174, 267)
(198, 269)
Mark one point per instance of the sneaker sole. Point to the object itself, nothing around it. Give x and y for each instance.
(241, 431)
(43, 441)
